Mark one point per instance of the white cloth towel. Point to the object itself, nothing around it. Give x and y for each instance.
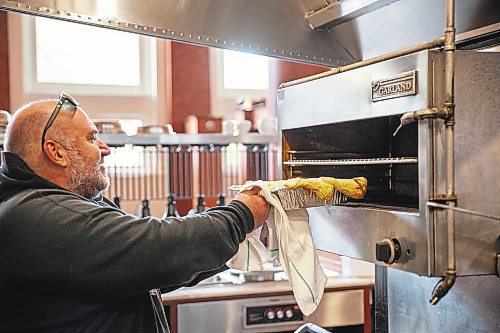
(290, 243)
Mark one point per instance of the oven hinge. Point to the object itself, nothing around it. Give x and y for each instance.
(444, 199)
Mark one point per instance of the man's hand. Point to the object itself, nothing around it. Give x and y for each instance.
(256, 203)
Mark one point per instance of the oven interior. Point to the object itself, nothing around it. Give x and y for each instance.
(357, 148)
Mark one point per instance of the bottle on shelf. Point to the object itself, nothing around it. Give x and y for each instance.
(171, 210)
(145, 208)
(116, 201)
(221, 199)
(201, 206)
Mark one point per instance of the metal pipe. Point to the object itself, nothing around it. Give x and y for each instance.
(462, 210)
(449, 58)
(412, 116)
(409, 50)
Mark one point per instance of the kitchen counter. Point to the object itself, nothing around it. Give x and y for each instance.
(222, 292)
(219, 291)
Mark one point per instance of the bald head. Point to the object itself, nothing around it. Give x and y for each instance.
(24, 131)
(72, 155)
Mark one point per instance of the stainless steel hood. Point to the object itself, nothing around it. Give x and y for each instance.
(326, 32)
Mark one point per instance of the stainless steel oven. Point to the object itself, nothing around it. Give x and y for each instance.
(344, 126)
(339, 309)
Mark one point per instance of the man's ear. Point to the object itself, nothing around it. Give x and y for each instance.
(56, 153)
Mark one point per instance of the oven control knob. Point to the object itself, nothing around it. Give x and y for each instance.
(388, 250)
(280, 314)
(288, 313)
(270, 314)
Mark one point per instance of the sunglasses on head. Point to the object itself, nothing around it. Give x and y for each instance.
(66, 103)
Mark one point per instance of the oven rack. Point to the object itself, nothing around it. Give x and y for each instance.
(355, 161)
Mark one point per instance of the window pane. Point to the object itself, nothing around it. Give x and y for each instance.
(245, 70)
(79, 54)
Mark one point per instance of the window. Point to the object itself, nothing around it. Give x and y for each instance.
(245, 71)
(90, 60)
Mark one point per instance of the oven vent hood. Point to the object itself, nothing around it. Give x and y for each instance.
(325, 32)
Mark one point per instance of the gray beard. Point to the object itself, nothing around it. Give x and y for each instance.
(84, 179)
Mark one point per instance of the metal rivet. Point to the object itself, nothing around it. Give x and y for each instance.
(49, 11)
(232, 43)
(28, 6)
(322, 59)
(291, 53)
(267, 49)
(241, 45)
(274, 50)
(258, 47)
(190, 36)
(181, 34)
(172, 33)
(298, 55)
(307, 56)
(216, 40)
(225, 42)
(109, 21)
(145, 28)
(18, 5)
(199, 37)
(208, 39)
(154, 29)
(79, 16)
(314, 57)
(136, 26)
(39, 9)
(90, 18)
(59, 12)
(126, 25)
(163, 31)
(99, 20)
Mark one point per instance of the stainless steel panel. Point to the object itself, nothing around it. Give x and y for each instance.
(408, 22)
(354, 231)
(347, 96)
(340, 308)
(271, 27)
(274, 28)
(470, 306)
(477, 157)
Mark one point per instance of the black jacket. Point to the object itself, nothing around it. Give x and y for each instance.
(70, 264)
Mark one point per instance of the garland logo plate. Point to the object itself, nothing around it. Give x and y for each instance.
(404, 84)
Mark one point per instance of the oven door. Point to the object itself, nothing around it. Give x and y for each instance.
(272, 314)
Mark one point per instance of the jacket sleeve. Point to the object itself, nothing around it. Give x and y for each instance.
(119, 255)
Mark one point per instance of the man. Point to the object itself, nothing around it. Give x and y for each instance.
(70, 261)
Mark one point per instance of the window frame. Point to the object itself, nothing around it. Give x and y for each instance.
(147, 53)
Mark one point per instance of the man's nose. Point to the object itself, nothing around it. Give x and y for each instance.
(105, 151)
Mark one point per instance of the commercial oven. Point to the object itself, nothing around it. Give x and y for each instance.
(345, 126)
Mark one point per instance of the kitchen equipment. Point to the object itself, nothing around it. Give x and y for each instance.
(356, 114)
(108, 126)
(156, 129)
(342, 310)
